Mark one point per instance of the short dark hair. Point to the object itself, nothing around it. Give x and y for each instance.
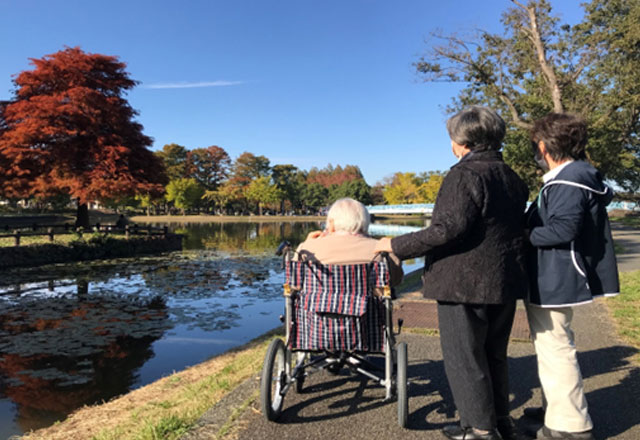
(564, 136)
(478, 128)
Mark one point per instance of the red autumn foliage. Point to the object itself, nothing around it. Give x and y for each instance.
(69, 129)
(209, 166)
(329, 175)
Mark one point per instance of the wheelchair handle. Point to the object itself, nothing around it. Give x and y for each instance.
(284, 246)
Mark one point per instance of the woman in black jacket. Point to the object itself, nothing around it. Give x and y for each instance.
(475, 269)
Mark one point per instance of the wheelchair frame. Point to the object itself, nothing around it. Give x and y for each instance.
(278, 376)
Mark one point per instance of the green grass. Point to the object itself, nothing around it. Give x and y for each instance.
(41, 239)
(625, 308)
(631, 220)
(167, 428)
(61, 239)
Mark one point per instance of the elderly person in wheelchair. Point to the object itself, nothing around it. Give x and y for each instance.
(338, 312)
(345, 239)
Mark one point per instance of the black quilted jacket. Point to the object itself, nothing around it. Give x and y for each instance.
(474, 248)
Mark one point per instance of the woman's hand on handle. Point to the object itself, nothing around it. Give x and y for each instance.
(314, 234)
(384, 245)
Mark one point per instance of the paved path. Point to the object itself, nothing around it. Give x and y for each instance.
(629, 239)
(345, 406)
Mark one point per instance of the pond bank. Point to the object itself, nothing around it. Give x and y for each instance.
(166, 408)
(104, 248)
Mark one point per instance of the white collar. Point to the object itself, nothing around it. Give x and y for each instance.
(554, 172)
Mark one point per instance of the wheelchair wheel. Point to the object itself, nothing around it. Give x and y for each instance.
(401, 380)
(273, 379)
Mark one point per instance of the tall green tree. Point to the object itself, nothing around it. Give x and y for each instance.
(290, 180)
(314, 196)
(356, 189)
(539, 65)
(184, 193)
(174, 158)
(262, 192)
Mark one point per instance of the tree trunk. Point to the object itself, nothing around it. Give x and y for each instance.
(82, 215)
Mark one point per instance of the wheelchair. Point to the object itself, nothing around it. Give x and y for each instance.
(335, 316)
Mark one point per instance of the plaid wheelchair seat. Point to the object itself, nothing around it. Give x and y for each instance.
(335, 308)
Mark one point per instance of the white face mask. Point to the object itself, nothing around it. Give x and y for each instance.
(541, 162)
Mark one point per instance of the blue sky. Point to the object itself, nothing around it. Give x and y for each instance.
(298, 81)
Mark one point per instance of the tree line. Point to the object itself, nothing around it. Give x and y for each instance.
(206, 179)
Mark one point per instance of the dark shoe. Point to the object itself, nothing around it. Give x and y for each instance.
(507, 429)
(536, 414)
(455, 432)
(550, 434)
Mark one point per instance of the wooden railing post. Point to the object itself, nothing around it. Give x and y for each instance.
(126, 231)
(50, 230)
(165, 231)
(17, 237)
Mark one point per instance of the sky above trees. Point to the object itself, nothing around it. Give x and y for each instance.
(301, 82)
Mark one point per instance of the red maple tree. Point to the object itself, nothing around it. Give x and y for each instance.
(69, 129)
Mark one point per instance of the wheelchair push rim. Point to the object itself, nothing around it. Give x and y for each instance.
(273, 380)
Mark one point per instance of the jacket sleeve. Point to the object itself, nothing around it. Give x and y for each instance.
(457, 207)
(395, 270)
(564, 212)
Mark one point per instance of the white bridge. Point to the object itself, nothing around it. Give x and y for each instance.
(417, 208)
(426, 209)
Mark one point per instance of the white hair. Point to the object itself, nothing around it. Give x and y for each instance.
(349, 215)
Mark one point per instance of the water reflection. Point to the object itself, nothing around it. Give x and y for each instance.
(60, 353)
(248, 237)
(77, 334)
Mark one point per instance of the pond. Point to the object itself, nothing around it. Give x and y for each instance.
(77, 334)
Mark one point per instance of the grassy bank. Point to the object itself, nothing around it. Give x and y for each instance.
(625, 308)
(629, 219)
(167, 408)
(25, 240)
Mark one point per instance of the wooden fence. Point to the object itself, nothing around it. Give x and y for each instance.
(63, 229)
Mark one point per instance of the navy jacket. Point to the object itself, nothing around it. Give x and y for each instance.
(474, 248)
(573, 258)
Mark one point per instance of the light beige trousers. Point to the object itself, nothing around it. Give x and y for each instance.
(558, 369)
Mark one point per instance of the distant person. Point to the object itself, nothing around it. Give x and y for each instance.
(345, 239)
(573, 261)
(475, 268)
(122, 222)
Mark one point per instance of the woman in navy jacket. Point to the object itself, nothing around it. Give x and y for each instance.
(573, 261)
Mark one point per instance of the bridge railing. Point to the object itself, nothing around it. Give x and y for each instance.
(427, 208)
(416, 208)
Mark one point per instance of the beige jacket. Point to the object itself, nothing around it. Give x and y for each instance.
(344, 248)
